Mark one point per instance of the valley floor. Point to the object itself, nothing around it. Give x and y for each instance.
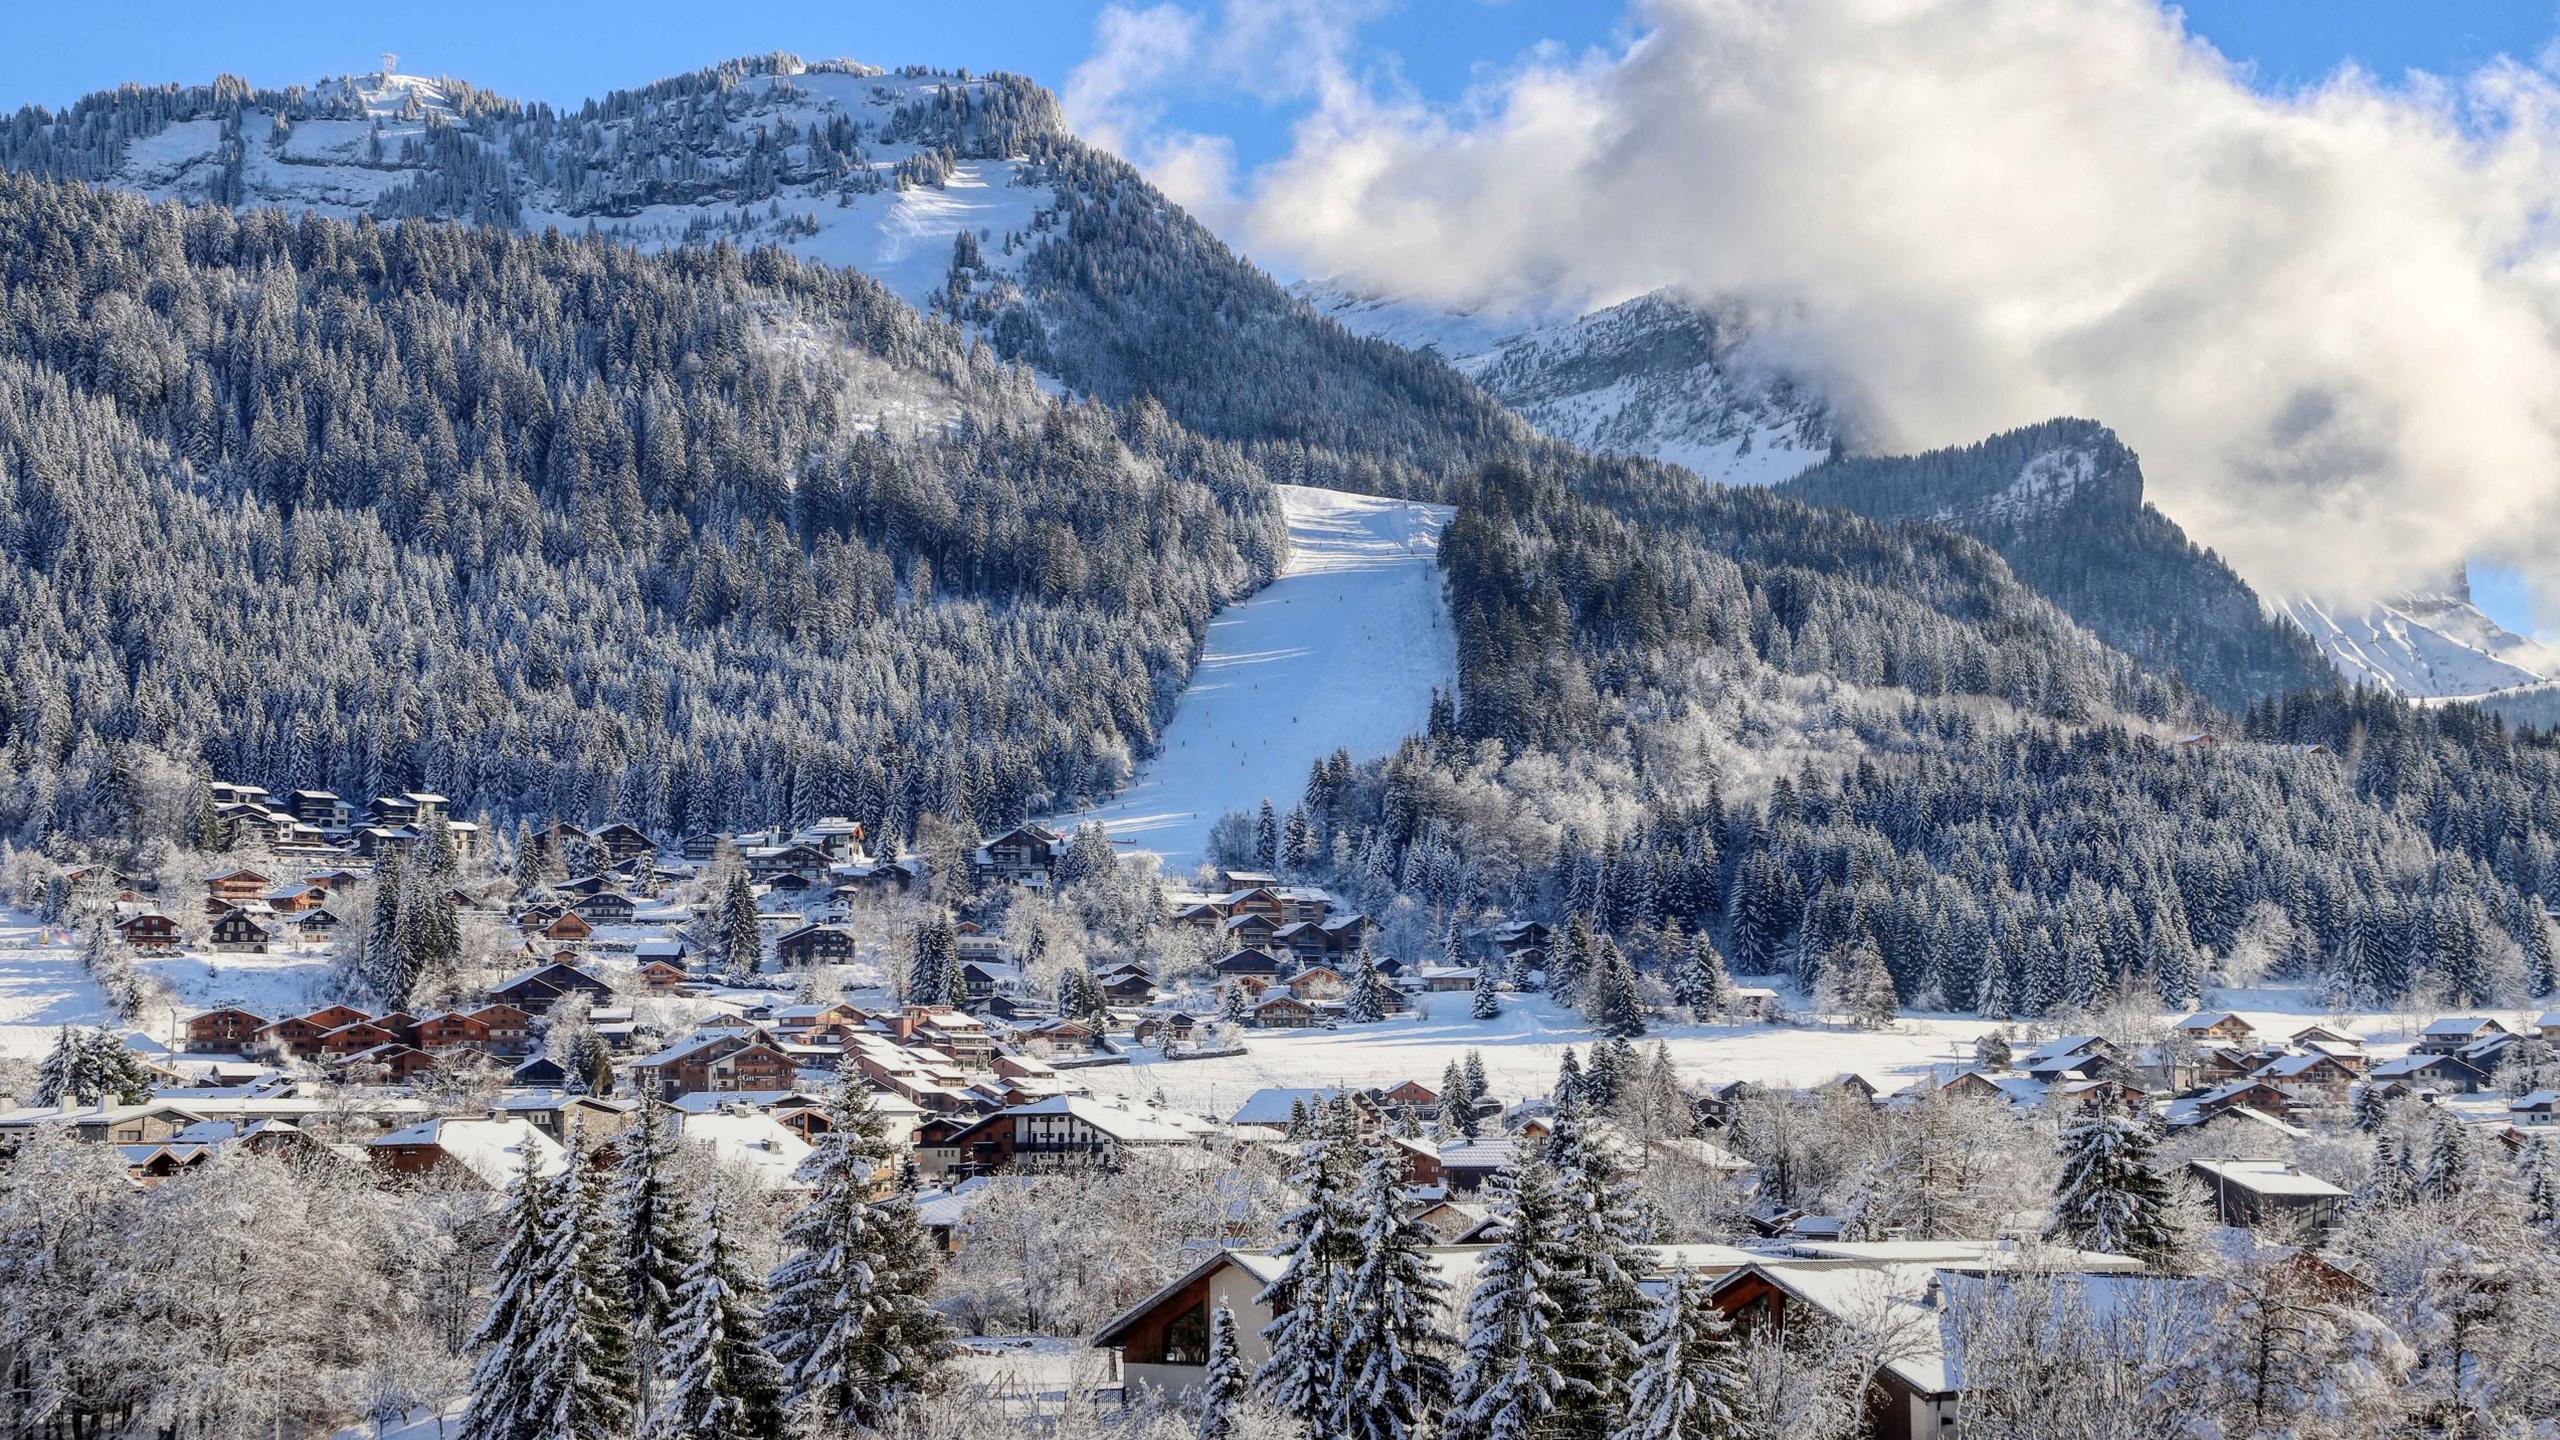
(1341, 652)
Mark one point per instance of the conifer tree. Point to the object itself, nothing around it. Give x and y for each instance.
(1873, 1005)
(1689, 1383)
(722, 1383)
(2541, 1187)
(1699, 980)
(1395, 1377)
(2372, 1110)
(581, 1357)
(2449, 1161)
(1319, 1245)
(2108, 1197)
(89, 1065)
(1511, 1382)
(1601, 1229)
(1613, 1003)
(1487, 1004)
(653, 1249)
(848, 1319)
(1224, 1386)
(1365, 1003)
(741, 938)
(505, 1396)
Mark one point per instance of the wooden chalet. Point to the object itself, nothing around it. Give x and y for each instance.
(148, 930)
(814, 945)
(223, 1030)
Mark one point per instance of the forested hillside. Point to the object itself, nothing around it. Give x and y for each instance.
(2062, 502)
(553, 527)
(964, 193)
(1818, 740)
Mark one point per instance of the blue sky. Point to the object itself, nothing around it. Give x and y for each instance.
(1436, 48)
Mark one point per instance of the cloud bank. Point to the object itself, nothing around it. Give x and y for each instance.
(2329, 321)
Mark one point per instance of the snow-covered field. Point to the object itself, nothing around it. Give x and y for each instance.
(43, 987)
(1523, 1047)
(1342, 651)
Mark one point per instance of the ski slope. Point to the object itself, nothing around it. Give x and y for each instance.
(1341, 651)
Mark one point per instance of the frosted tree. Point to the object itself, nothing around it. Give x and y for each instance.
(1867, 990)
(1699, 980)
(848, 1319)
(1319, 1245)
(722, 1384)
(1365, 1003)
(2108, 1197)
(1266, 838)
(1511, 1382)
(1609, 996)
(650, 1229)
(1689, 1382)
(1395, 1379)
(88, 1065)
(1225, 1384)
(580, 1363)
(2450, 1165)
(933, 966)
(1487, 1004)
(1601, 1229)
(741, 939)
(506, 1398)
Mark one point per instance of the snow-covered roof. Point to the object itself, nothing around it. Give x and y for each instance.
(491, 1148)
(2458, 1025)
(1272, 1106)
(2267, 1177)
(1111, 1120)
(771, 1150)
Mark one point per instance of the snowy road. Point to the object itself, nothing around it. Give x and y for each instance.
(1342, 650)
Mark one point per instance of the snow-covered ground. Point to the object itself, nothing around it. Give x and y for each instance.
(1523, 1047)
(43, 987)
(1341, 652)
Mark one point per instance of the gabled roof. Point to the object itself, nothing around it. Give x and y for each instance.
(1111, 1120)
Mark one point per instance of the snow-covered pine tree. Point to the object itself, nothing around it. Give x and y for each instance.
(2372, 1109)
(505, 1398)
(1569, 961)
(1266, 837)
(2449, 1160)
(2108, 1197)
(721, 1382)
(2541, 1187)
(1233, 1008)
(741, 938)
(1612, 1001)
(1487, 1004)
(848, 1318)
(1868, 989)
(89, 1065)
(1568, 1089)
(1225, 1384)
(1689, 1383)
(1510, 1384)
(1365, 1001)
(1699, 980)
(1319, 1245)
(653, 1246)
(580, 1363)
(1395, 1377)
(1601, 1228)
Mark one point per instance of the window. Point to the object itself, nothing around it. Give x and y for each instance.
(1186, 1340)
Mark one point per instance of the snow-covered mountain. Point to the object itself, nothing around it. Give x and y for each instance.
(1657, 376)
(840, 162)
(2434, 645)
(963, 193)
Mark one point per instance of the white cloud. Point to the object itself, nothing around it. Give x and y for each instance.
(2330, 321)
